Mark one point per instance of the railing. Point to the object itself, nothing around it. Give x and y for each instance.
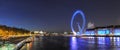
(22, 43)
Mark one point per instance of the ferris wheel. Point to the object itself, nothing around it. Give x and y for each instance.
(82, 27)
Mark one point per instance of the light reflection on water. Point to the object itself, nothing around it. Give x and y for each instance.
(73, 43)
(76, 43)
(95, 43)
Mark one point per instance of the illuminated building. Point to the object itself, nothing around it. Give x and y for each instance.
(90, 32)
(107, 31)
(90, 25)
(36, 31)
(6, 32)
(65, 33)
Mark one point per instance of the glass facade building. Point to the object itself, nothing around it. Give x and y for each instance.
(91, 32)
(103, 32)
(117, 31)
(108, 30)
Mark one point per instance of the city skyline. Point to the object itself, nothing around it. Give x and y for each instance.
(55, 16)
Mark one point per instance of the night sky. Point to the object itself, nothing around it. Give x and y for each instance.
(55, 15)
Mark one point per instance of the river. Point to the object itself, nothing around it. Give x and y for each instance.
(73, 43)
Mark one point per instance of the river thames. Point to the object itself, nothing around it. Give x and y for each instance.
(73, 43)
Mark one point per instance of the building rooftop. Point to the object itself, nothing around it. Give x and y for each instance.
(102, 27)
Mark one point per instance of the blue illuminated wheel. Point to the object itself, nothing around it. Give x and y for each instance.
(83, 24)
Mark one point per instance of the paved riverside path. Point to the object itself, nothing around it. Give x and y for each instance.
(10, 43)
(14, 40)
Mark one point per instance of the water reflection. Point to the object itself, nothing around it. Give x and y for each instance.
(95, 43)
(75, 43)
(109, 41)
(116, 41)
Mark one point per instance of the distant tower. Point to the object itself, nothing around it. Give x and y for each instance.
(90, 25)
